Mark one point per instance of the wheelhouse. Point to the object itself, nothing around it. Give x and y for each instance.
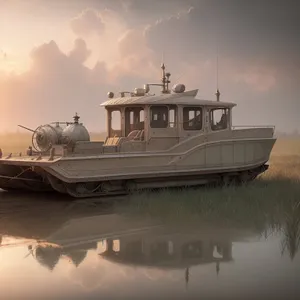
(162, 121)
(176, 118)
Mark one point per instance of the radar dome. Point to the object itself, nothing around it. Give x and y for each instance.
(110, 94)
(178, 88)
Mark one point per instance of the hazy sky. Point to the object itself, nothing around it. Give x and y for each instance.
(62, 56)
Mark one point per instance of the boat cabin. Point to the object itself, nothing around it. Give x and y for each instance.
(143, 121)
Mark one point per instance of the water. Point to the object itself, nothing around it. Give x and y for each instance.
(55, 249)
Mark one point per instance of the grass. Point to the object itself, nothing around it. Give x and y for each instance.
(265, 198)
(286, 146)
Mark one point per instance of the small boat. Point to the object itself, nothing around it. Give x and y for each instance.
(167, 140)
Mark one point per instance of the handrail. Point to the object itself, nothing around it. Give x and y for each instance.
(253, 126)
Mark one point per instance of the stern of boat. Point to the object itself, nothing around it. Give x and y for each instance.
(25, 173)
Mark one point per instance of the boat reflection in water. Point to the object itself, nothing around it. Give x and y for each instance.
(148, 245)
(70, 233)
(97, 241)
(178, 251)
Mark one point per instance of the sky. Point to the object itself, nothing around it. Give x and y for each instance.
(60, 57)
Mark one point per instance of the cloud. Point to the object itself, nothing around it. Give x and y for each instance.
(265, 31)
(248, 53)
(139, 12)
(88, 22)
(80, 52)
(136, 59)
(174, 36)
(56, 85)
(261, 79)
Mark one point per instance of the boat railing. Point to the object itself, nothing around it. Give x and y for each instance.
(252, 126)
(6, 154)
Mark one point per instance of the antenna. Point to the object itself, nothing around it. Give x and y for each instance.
(163, 78)
(217, 74)
(217, 69)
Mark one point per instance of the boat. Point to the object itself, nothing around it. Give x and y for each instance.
(171, 139)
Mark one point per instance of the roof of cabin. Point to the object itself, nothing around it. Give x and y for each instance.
(185, 98)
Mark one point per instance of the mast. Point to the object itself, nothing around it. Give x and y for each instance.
(165, 80)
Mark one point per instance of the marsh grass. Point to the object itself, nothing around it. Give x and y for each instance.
(286, 146)
(240, 205)
(267, 200)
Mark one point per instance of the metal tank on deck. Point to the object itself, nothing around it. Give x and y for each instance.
(75, 132)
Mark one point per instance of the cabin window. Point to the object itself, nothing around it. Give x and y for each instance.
(116, 123)
(192, 118)
(219, 118)
(159, 117)
(193, 249)
(163, 116)
(142, 117)
(116, 246)
(131, 118)
(134, 119)
(172, 116)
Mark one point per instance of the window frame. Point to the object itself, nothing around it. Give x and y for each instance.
(111, 132)
(227, 113)
(169, 108)
(114, 118)
(192, 108)
(127, 118)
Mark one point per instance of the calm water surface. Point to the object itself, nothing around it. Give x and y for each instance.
(60, 250)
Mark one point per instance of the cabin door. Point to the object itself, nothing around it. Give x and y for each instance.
(134, 119)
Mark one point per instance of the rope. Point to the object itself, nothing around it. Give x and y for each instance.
(16, 178)
(21, 173)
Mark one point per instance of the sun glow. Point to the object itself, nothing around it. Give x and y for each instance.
(12, 63)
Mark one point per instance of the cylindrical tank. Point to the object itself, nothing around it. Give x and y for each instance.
(45, 136)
